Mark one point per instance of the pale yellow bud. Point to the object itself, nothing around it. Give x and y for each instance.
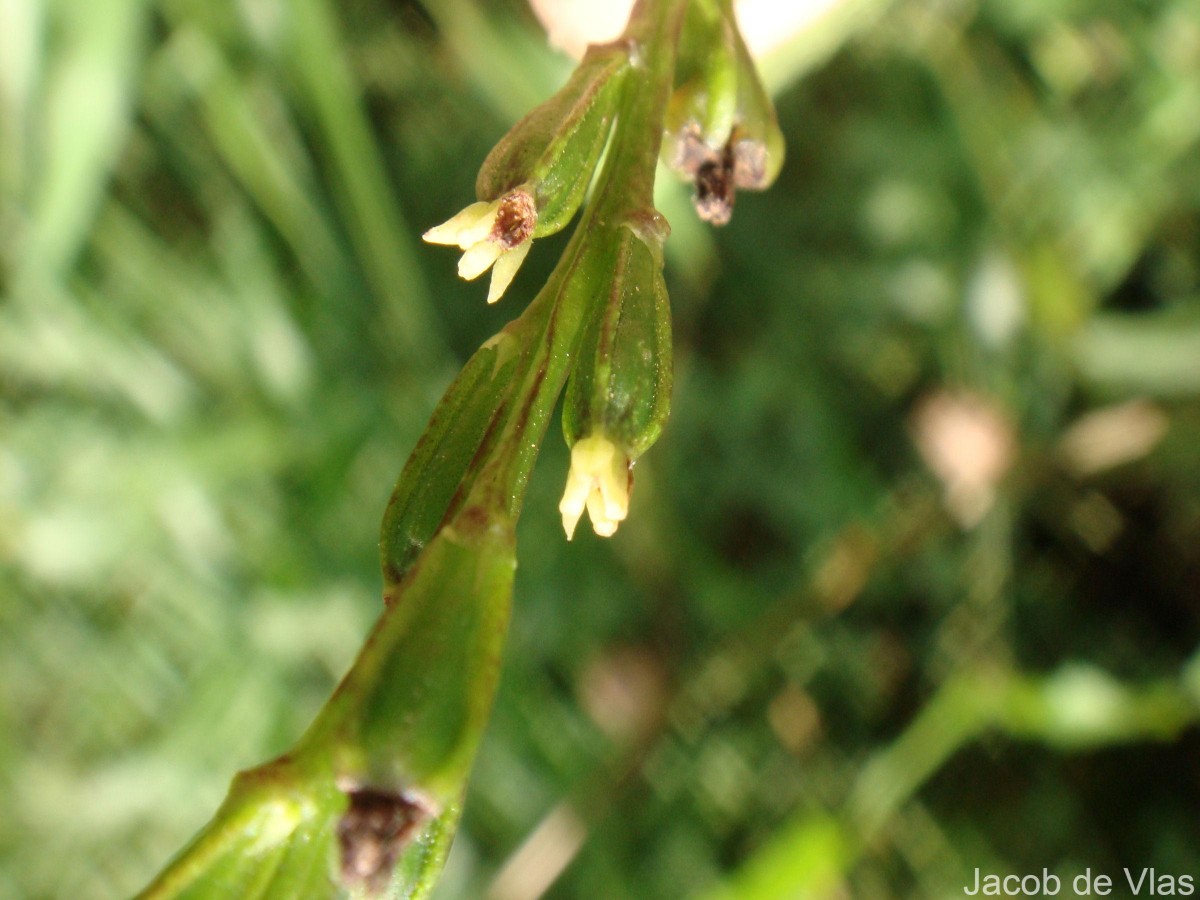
(599, 482)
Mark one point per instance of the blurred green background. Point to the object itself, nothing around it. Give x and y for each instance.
(911, 583)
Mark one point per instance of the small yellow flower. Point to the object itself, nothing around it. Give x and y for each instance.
(498, 232)
(599, 481)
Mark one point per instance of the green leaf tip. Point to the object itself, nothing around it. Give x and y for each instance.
(534, 180)
(554, 150)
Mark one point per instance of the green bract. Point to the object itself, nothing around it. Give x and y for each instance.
(759, 149)
(621, 386)
(707, 75)
(535, 178)
(619, 394)
(554, 150)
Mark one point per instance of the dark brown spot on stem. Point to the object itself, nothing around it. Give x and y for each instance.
(374, 830)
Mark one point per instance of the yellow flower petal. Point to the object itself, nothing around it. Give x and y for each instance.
(468, 227)
(506, 269)
(599, 482)
(478, 258)
(573, 501)
(598, 511)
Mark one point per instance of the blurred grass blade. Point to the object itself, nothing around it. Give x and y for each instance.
(245, 130)
(21, 36)
(511, 67)
(1158, 354)
(84, 113)
(382, 237)
(826, 29)
(807, 859)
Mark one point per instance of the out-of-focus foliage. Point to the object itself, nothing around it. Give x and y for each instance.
(910, 584)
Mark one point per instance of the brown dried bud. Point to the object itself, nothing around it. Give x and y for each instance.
(515, 219)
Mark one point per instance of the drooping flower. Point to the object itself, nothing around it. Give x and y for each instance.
(599, 482)
(493, 235)
(619, 392)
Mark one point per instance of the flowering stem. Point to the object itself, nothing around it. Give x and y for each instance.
(623, 199)
(482, 514)
(388, 755)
